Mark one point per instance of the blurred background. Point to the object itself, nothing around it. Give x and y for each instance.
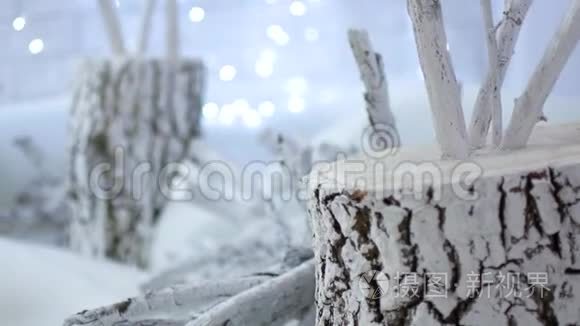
(278, 64)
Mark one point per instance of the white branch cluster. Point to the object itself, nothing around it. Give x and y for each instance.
(529, 106)
(444, 90)
(507, 37)
(114, 31)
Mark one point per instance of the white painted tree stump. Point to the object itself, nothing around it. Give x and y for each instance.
(500, 249)
(128, 125)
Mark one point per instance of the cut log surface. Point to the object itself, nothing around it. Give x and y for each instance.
(499, 249)
(122, 138)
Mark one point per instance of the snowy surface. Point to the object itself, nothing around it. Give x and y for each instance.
(186, 231)
(42, 286)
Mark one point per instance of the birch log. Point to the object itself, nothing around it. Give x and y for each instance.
(442, 87)
(123, 141)
(529, 107)
(500, 247)
(112, 26)
(507, 36)
(496, 111)
(372, 73)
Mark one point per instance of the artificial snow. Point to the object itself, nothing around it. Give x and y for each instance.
(43, 286)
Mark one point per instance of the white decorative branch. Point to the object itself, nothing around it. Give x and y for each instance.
(172, 30)
(152, 322)
(493, 71)
(112, 26)
(175, 300)
(507, 36)
(529, 107)
(273, 302)
(146, 22)
(372, 73)
(442, 87)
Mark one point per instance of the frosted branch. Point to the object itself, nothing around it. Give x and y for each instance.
(172, 30)
(529, 107)
(372, 73)
(274, 301)
(492, 53)
(507, 36)
(146, 22)
(152, 322)
(440, 80)
(112, 26)
(174, 300)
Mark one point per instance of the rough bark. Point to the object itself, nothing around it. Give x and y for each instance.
(442, 86)
(529, 107)
(520, 220)
(507, 36)
(123, 137)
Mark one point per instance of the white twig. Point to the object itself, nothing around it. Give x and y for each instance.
(372, 73)
(440, 80)
(179, 299)
(493, 71)
(172, 30)
(529, 107)
(146, 22)
(152, 322)
(274, 301)
(112, 26)
(507, 36)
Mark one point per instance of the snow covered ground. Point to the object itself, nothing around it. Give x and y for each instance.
(43, 286)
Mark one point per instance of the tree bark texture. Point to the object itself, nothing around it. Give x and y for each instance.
(509, 255)
(127, 128)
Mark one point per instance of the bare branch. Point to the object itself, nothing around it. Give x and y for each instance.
(146, 22)
(440, 80)
(172, 30)
(274, 301)
(112, 26)
(152, 322)
(174, 300)
(529, 107)
(493, 71)
(372, 73)
(508, 33)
